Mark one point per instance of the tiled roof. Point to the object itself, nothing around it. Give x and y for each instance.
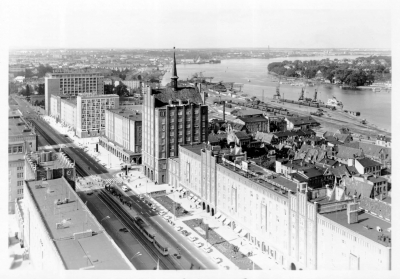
(360, 189)
(340, 171)
(190, 94)
(366, 162)
(345, 152)
(265, 137)
(302, 120)
(253, 119)
(242, 135)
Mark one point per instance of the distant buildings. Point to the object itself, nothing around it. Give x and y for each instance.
(171, 116)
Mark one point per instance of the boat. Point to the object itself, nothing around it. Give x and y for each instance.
(334, 102)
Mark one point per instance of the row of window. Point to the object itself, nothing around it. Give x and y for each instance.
(15, 149)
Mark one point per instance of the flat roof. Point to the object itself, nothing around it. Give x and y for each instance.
(72, 101)
(364, 220)
(74, 214)
(128, 113)
(16, 126)
(195, 148)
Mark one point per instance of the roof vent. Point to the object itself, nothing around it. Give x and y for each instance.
(379, 229)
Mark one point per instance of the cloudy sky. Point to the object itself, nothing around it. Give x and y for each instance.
(198, 24)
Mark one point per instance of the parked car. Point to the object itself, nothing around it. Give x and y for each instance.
(178, 228)
(167, 217)
(185, 232)
(89, 192)
(141, 197)
(206, 249)
(198, 244)
(125, 189)
(153, 207)
(123, 230)
(192, 238)
(216, 259)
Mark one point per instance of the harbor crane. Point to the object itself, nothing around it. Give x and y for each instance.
(278, 94)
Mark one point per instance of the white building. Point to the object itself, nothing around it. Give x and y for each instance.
(90, 113)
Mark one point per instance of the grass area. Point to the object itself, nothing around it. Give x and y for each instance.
(168, 204)
(226, 248)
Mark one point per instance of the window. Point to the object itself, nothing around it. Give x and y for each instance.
(20, 175)
(9, 149)
(20, 191)
(20, 183)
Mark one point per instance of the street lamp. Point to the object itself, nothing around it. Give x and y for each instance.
(107, 217)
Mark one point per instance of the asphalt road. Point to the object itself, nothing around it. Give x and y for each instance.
(126, 241)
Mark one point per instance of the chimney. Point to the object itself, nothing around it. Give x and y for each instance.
(245, 155)
(352, 213)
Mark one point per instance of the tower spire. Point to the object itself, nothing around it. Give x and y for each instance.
(174, 76)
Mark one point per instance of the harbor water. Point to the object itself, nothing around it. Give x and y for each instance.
(375, 107)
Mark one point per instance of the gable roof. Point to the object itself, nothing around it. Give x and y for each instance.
(340, 171)
(242, 135)
(366, 162)
(345, 152)
(358, 188)
(265, 137)
(303, 120)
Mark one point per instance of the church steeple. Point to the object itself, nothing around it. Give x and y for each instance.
(174, 76)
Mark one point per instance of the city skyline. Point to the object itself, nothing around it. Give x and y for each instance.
(162, 24)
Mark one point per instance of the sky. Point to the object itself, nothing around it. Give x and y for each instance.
(198, 24)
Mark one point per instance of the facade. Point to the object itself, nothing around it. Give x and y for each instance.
(299, 227)
(383, 141)
(71, 83)
(90, 113)
(171, 116)
(21, 139)
(123, 134)
(68, 112)
(60, 240)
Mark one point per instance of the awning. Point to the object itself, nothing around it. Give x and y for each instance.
(179, 188)
(227, 221)
(237, 229)
(194, 199)
(223, 218)
(243, 233)
(191, 196)
(217, 215)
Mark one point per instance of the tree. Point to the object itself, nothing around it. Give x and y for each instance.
(121, 90)
(27, 91)
(41, 89)
(108, 89)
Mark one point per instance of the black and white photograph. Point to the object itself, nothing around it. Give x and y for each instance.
(199, 139)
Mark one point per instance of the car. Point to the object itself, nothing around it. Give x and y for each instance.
(216, 259)
(178, 228)
(185, 232)
(167, 217)
(89, 192)
(141, 197)
(123, 230)
(206, 249)
(153, 207)
(125, 189)
(198, 244)
(162, 212)
(192, 238)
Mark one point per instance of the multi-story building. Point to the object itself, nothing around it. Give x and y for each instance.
(171, 116)
(91, 111)
(123, 134)
(21, 139)
(60, 233)
(68, 112)
(71, 83)
(298, 226)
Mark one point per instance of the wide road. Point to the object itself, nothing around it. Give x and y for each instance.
(192, 257)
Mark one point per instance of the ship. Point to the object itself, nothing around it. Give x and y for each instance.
(334, 102)
(215, 61)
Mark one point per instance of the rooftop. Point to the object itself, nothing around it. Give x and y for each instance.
(366, 162)
(127, 113)
(16, 127)
(75, 218)
(55, 160)
(364, 220)
(195, 148)
(167, 94)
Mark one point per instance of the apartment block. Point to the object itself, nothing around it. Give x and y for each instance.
(123, 134)
(90, 113)
(71, 83)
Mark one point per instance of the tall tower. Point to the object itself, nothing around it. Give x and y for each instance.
(174, 76)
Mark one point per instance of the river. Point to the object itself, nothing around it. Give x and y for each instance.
(373, 106)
